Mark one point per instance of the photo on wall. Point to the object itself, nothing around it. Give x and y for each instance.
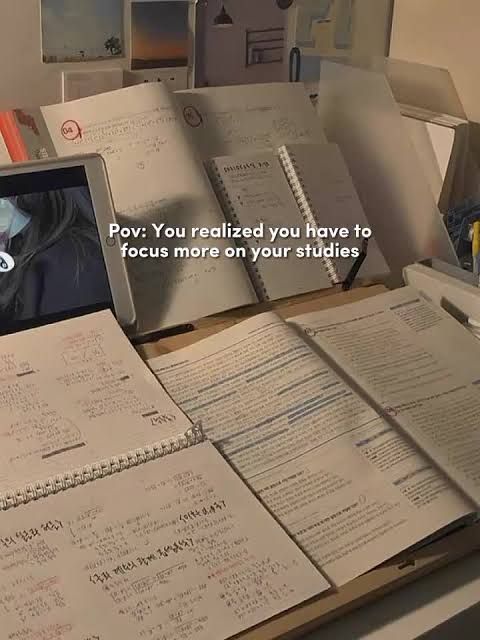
(160, 34)
(82, 30)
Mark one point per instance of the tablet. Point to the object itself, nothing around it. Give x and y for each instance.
(56, 258)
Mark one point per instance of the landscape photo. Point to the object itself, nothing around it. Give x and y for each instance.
(160, 34)
(82, 30)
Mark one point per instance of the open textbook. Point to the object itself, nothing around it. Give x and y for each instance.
(356, 426)
(155, 144)
(117, 518)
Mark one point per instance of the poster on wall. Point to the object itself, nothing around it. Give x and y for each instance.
(160, 34)
(82, 30)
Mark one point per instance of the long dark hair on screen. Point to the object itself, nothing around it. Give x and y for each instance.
(54, 216)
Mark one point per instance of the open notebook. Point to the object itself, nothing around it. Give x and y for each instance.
(118, 519)
(356, 426)
(307, 189)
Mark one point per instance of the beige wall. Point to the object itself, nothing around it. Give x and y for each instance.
(443, 33)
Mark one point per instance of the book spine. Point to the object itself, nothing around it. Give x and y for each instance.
(305, 205)
(230, 213)
(101, 469)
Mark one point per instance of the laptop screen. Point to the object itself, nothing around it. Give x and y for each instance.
(51, 259)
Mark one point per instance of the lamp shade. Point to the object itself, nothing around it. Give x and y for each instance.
(223, 20)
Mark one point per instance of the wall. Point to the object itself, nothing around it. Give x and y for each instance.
(443, 33)
(224, 49)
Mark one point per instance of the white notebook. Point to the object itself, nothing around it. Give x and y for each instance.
(326, 196)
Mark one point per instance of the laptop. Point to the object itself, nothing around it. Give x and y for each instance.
(57, 259)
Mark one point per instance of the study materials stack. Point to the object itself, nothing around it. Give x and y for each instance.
(355, 426)
(117, 518)
(155, 144)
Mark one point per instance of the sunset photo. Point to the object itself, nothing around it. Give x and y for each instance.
(79, 31)
(160, 34)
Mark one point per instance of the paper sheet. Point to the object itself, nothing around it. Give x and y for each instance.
(419, 365)
(350, 490)
(72, 394)
(155, 178)
(187, 552)
(227, 121)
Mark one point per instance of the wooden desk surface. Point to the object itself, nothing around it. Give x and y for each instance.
(373, 585)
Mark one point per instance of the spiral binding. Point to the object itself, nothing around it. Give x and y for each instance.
(297, 185)
(102, 469)
(229, 210)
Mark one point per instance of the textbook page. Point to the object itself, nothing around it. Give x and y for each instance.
(419, 365)
(155, 178)
(253, 190)
(349, 489)
(72, 394)
(4, 155)
(226, 121)
(187, 552)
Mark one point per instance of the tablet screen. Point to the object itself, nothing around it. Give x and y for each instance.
(51, 259)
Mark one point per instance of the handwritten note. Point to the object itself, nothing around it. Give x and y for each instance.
(188, 553)
(244, 119)
(141, 135)
(73, 394)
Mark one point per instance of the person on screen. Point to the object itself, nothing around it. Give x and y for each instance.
(59, 263)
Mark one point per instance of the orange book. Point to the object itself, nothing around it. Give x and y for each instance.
(12, 137)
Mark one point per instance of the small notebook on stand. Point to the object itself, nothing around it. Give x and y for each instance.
(112, 503)
(307, 189)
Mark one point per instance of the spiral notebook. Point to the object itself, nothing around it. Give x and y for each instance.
(303, 185)
(113, 503)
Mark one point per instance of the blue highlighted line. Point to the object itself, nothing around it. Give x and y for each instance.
(319, 374)
(257, 442)
(277, 367)
(254, 368)
(214, 401)
(320, 405)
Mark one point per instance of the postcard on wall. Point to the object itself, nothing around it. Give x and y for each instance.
(160, 34)
(74, 31)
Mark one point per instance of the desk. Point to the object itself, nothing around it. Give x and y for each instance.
(392, 575)
(440, 606)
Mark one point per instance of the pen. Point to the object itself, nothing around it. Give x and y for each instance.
(349, 280)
